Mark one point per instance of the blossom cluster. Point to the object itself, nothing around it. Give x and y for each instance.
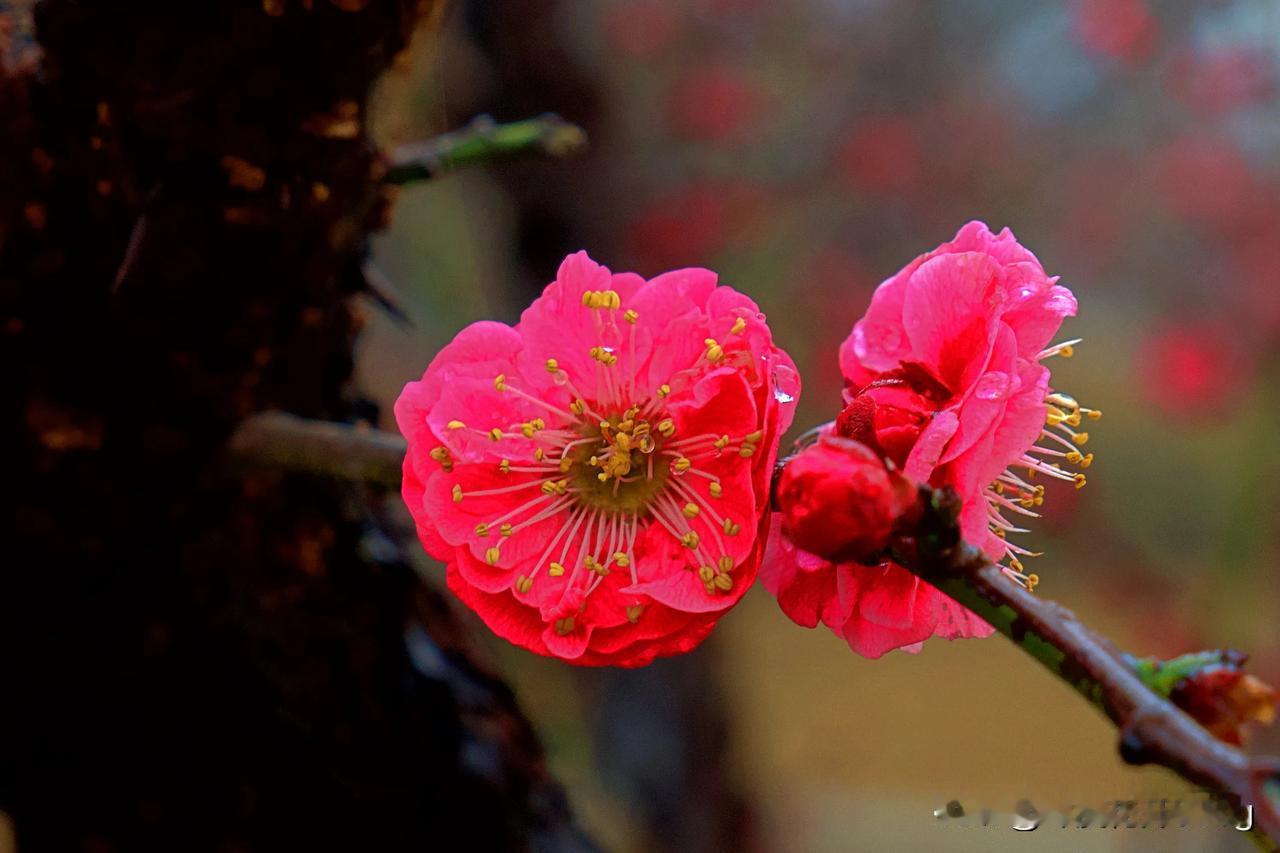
(597, 478)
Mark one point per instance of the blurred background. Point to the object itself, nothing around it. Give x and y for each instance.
(806, 150)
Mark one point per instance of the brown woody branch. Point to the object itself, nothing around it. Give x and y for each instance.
(1152, 729)
(289, 443)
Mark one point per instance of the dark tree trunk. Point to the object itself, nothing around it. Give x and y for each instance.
(193, 657)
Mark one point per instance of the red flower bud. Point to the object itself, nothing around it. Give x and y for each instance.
(1226, 701)
(839, 501)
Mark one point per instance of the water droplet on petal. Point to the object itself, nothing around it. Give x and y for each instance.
(785, 381)
(993, 385)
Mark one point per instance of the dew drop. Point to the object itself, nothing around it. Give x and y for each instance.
(993, 385)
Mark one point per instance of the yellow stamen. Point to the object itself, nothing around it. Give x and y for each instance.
(690, 510)
(496, 434)
(505, 529)
(482, 529)
(491, 556)
(630, 316)
(739, 325)
(577, 407)
(715, 352)
(725, 563)
(747, 451)
(553, 366)
(716, 490)
(664, 390)
(1080, 480)
(723, 582)
(706, 573)
(457, 492)
(524, 584)
(667, 427)
(505, 466)
(455, 425)
(731, 527)
(633, 613)
(442, 456)
(500, 382)
(621, 559)
(555, 570)
(722, 442)
(689, 540)
(564, 626)
(681, 465)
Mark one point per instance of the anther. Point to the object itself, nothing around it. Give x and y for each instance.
(746, 451)
(500, 382)
(664, 390)
(667, 427)
(491, 556)
(716, 490)
(555, 570)
(622, 560)
(505, 466)
(715, 352)
(564, 626)
(1080, 480)
(689, 540)
(482, 529)
(577, 407)
(681, 465)
(457, 492)
(1080, 439)
(524, 584)
(725, 563)
(731, 527)
(505, 529)
(739, 325)
(706, 573)
(496, 433)
(690, 510)
(633, 613)
(442, 456)
(553, 366)
(456, 425)
(630, 316)
(724, 583)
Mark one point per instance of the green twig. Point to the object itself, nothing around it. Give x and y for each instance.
(484, 141)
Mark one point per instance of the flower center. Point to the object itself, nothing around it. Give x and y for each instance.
(620, 467)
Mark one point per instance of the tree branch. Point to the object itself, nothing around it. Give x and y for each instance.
(290, 443)
(1152, 729)
(484, 141)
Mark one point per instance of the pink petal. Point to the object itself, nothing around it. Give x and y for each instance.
(950, 315)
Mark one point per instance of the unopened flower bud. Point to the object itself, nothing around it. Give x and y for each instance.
(839, 501)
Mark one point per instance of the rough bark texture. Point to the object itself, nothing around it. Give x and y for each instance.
(191, 657)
